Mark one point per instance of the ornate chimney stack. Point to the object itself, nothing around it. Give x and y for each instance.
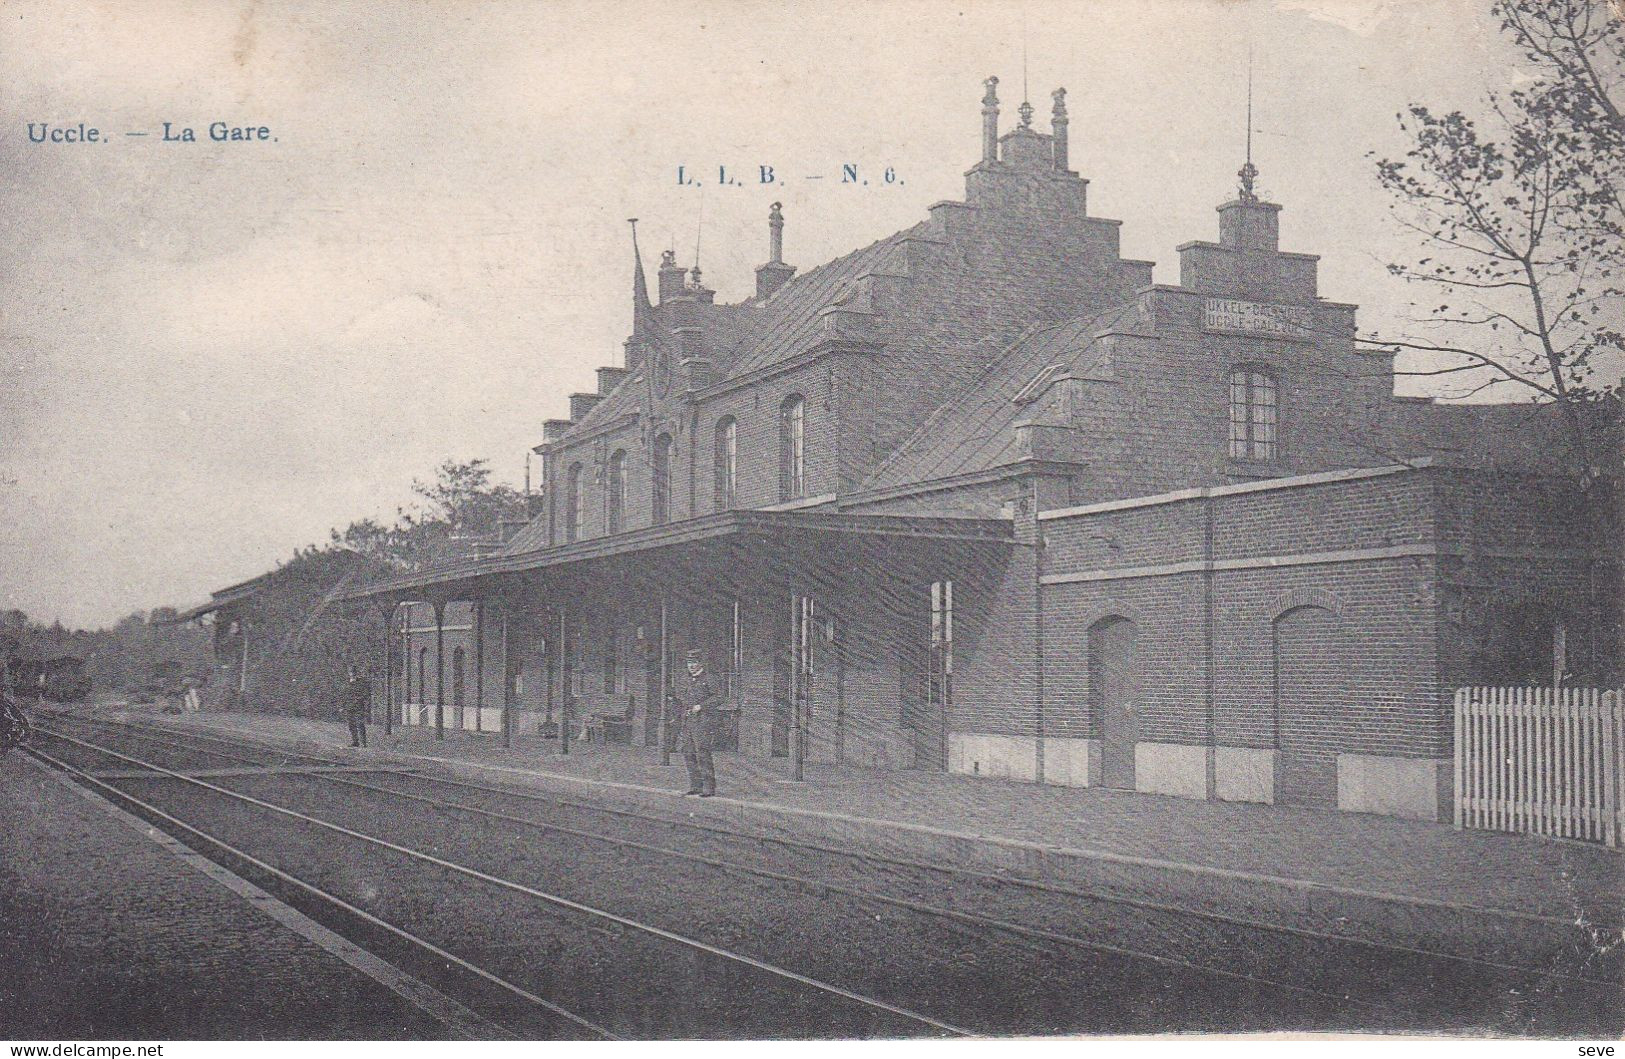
(775, 234)
(775, 274)
(671, 276)
(1058, 123)
(990, 122)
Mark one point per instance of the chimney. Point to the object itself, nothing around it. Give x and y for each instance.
(990, 122)
(775, 274)
(582, 403)
(671, 277)
(696, 373)
(609, 378)
(1058, 123)
(553, 429)
(699, 290)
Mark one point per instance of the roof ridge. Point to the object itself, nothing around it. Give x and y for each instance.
(921, 439)
(970, 387)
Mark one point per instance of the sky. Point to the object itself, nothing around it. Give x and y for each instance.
(215, 352)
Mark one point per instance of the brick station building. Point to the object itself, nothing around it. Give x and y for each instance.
(982, 498)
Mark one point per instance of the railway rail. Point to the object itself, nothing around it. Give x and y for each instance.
(875, 1015)
(1360, 983)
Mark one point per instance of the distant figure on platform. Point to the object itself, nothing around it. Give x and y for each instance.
(190, 703)
(699, 701)
(357, 706)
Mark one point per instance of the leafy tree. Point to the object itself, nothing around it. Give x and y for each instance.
(460, 501)
(1522, 227)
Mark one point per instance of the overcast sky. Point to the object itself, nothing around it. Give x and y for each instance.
(215, 352)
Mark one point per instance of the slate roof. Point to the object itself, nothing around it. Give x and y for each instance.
(975, 430)
(752, 335)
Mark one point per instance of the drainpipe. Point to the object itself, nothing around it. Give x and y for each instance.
(1038, 634)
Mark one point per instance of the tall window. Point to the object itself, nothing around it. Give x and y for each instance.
(727, 462)
(792, 448)
(1252, 414)
(572, 504)
(617, 491)
(661, 480)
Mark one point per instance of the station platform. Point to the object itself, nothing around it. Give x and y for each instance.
(1392, 880)
(109, 933)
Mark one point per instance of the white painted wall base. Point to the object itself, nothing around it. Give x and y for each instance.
(1414, 788)
(1244, 774)
(1071, 762)
(1171, 768)
(1011, 757)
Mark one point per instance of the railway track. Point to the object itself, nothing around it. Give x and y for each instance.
(810, 1004)
(1329, 981)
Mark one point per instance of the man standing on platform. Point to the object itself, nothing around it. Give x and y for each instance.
(357, 706)
(699, 700)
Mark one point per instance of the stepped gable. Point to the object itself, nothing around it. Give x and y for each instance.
(977, 429)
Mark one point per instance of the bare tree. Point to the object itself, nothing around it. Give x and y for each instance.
(1521, 226)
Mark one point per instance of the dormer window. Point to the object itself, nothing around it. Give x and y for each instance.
(1253, 414)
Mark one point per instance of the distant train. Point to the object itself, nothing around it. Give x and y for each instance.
(55, 679)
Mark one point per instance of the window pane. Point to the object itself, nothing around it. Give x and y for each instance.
(661, 484)
(726, 464)
(1238, 415)
(1263, 417)
(792, 449)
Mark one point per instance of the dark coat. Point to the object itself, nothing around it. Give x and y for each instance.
(358, 698)
(703, 692)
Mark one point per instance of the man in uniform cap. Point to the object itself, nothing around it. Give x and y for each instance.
(357, 706)
(698, 699)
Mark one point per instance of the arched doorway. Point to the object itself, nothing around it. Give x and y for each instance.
(1114, 685)
(1311, 698)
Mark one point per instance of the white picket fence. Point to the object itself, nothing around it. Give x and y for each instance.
(1541, 762)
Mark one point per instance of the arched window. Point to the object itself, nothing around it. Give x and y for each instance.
(726, 463)
(617, 491)
(661, 481)
(572, 504)
(1252, 414)
(792, 448)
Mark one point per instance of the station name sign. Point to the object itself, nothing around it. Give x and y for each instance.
(1256, 318)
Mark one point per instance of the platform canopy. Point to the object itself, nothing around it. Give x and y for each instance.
(464, 579)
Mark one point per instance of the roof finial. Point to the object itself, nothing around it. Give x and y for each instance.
(1026, 108)
(1058, 124)
(699, 230)
(642, 311)
(1248, 171)
(990, 121)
